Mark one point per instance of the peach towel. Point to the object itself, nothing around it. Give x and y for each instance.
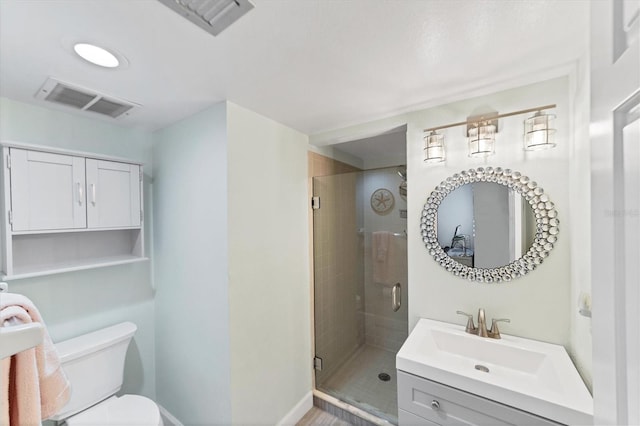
(383, 257)
(33, 385)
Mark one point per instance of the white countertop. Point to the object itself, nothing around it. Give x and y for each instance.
(529, 375)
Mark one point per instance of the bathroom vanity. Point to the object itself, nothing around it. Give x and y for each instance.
(447, 376)
(424, 402)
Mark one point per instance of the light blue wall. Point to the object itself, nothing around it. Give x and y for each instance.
(191, 272)
(181, 355)
(78, 302)
(43, 126)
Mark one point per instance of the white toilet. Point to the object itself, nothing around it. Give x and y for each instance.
(94, 364)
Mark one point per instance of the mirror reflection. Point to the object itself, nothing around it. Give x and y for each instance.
(485, 225)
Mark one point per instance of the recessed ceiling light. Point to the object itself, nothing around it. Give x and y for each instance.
(96, 55)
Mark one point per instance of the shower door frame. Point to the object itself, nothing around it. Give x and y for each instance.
(318, 392)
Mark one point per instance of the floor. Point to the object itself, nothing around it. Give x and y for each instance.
(357, 383)
(316, 416)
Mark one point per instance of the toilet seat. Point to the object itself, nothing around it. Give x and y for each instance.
(129, 410)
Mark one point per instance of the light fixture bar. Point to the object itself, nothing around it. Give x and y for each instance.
(493, 117)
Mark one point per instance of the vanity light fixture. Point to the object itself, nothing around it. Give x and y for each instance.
(538, 132)
(482, 139)
(96, 55)
(434, 148)
(481, 134)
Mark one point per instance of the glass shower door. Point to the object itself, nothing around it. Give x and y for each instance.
(357, 330)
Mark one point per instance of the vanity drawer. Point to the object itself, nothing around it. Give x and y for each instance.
(445, 405)
(405, 418)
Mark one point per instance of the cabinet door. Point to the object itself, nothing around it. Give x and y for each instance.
(47, 191)
(113, 194)
(447, 406)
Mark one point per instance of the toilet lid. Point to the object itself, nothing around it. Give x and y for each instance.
(130, 410)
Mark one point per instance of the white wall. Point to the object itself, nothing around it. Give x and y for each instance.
(580, 184)
(190, 265)
(269, 295)
(539, 305)
(78, 302)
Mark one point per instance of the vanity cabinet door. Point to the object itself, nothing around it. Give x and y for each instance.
(113, 194)
(47, 191)
(444, 405)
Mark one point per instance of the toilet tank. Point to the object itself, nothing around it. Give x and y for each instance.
(94, 364)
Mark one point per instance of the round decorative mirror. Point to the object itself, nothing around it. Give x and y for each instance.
(489, 224)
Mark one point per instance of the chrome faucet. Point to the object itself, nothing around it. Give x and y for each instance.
(494, 333)
(482, 324)
(481, 329)
(471, 327)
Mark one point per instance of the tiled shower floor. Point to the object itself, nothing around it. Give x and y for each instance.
(357, 383)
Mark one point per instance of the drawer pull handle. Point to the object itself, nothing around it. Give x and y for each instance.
(93, 194)
(435, 405)
(80, 195)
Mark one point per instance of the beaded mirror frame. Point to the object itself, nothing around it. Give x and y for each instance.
(547, 224)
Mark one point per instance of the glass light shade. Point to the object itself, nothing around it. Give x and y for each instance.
(539, 132)
(96, 55)
(482, 140)
(434, 148)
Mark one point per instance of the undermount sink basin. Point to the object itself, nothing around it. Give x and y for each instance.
(526, 374)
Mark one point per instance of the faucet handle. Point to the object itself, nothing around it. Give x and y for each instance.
(471, 327)
(494, 332)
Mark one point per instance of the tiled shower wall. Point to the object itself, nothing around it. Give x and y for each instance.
(352, 309)
(385, 328)
(338, 264)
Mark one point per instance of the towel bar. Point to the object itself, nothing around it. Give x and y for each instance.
(15, 336)
(395, 234)
(18, 338)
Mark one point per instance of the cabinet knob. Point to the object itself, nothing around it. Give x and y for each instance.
(435, 405)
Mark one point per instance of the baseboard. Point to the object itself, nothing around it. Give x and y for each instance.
(344, 411)
(167, 418)
(298, 412)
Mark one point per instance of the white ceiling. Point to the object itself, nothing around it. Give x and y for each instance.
(383, 150)
(314, 65)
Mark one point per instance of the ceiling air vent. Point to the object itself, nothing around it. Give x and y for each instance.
(213, 16)
(83, 99)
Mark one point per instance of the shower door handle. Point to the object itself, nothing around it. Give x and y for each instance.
(396, 297)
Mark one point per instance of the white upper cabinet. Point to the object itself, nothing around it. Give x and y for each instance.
(67, 211)
(47, 191)
(113, 194)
